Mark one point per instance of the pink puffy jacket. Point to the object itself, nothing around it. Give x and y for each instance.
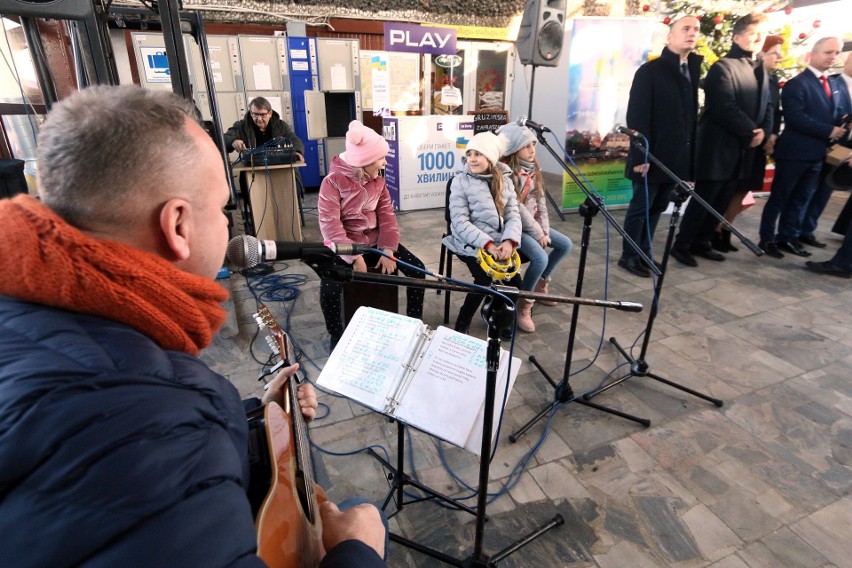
(356, 211)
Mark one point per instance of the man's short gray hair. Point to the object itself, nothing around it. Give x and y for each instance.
(744, 22)
(261, 103)
(104, 150)
(819, 43)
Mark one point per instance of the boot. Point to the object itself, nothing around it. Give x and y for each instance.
(462, 325)
(717, 242)
(726, 240)
(543, 287)
(525, 321)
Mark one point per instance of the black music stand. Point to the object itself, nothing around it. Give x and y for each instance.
(638, 366)
(562, 391)
(498, 315)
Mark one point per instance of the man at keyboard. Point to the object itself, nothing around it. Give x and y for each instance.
(260, 126)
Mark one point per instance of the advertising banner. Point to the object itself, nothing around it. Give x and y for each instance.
(419, 39)
(599, 78)
(425, 152)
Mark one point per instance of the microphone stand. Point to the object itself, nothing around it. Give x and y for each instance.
(638, 366)
(499, 316)
(563, 393)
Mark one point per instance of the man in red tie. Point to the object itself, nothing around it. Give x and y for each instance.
(809, 126)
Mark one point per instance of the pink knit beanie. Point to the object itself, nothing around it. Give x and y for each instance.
(363, 145)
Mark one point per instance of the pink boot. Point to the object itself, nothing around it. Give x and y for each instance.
(525, 321)
(543, 287)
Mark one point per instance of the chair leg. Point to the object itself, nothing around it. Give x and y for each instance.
(441, 261)
(449, 266)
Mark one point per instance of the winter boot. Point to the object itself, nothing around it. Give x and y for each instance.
(726, 240)
(525, 321)
(718, 243)
(543, 287)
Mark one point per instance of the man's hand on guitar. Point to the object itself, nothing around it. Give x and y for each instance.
(361, 522)
(307, 395)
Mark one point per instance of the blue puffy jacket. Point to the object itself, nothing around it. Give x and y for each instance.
(114, 452)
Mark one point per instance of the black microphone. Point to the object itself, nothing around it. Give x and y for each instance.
(630, 132)
(246, 251)
(540, 128)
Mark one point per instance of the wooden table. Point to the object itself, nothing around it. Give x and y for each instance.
(273, 200)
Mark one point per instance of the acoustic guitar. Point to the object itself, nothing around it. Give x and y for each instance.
(289, 529)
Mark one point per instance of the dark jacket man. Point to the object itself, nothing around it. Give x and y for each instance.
(736, 118)
(662, 106)
(734, 106)
(247, 131)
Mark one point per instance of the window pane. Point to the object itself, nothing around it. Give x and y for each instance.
(16, 68)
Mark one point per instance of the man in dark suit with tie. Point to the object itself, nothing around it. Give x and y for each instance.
(737, 117)
(800, 151)
(840, 90)
(663, 104)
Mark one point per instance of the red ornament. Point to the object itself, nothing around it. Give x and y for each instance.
(646, 7)
(718, 19)
(803, 35)
(788, 10)
(817, 23)
(667, 20)
(698, 18)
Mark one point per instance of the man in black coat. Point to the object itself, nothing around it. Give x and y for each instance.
(260, 125)
(663, 105)
(737, 116)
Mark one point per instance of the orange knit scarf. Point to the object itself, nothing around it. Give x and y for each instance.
(49, 262)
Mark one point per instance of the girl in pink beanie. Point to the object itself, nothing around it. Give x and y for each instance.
(355, 207)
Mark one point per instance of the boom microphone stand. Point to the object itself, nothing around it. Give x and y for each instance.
(563, 393)
(638, 366)
(498, 315)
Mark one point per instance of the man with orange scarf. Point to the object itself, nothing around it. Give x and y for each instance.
(118, 446)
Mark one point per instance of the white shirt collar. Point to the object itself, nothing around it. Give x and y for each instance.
(816, 72)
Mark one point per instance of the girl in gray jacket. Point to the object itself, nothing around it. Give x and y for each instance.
(483, 215)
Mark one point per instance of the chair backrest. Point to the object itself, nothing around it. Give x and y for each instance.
(447, 203)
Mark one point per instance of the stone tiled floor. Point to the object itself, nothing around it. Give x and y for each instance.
(763, 481)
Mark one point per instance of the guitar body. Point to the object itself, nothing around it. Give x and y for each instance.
(289, 529)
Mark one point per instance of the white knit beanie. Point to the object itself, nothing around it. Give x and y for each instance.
(516, 137)
(488, 144)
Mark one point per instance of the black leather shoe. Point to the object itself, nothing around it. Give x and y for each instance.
(812, 242)
(793, 248)
(683, 256)
(827, 268)
(707, 253)
(634, 266)
(771, 249)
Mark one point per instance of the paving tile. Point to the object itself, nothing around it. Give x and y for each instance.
(762, 481)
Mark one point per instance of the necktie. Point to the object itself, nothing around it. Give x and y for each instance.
(825, 86)
(685, 71)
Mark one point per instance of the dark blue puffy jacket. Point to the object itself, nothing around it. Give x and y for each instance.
(114, 452)
(168, 489)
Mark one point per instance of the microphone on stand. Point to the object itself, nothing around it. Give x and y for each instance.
(540, 128)
(246, 251)
(630, 132)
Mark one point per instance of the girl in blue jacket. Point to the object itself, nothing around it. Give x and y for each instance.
(483, 215)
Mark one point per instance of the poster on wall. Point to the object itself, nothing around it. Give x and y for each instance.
(599, 78)
(156, 64)
(425, 153)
